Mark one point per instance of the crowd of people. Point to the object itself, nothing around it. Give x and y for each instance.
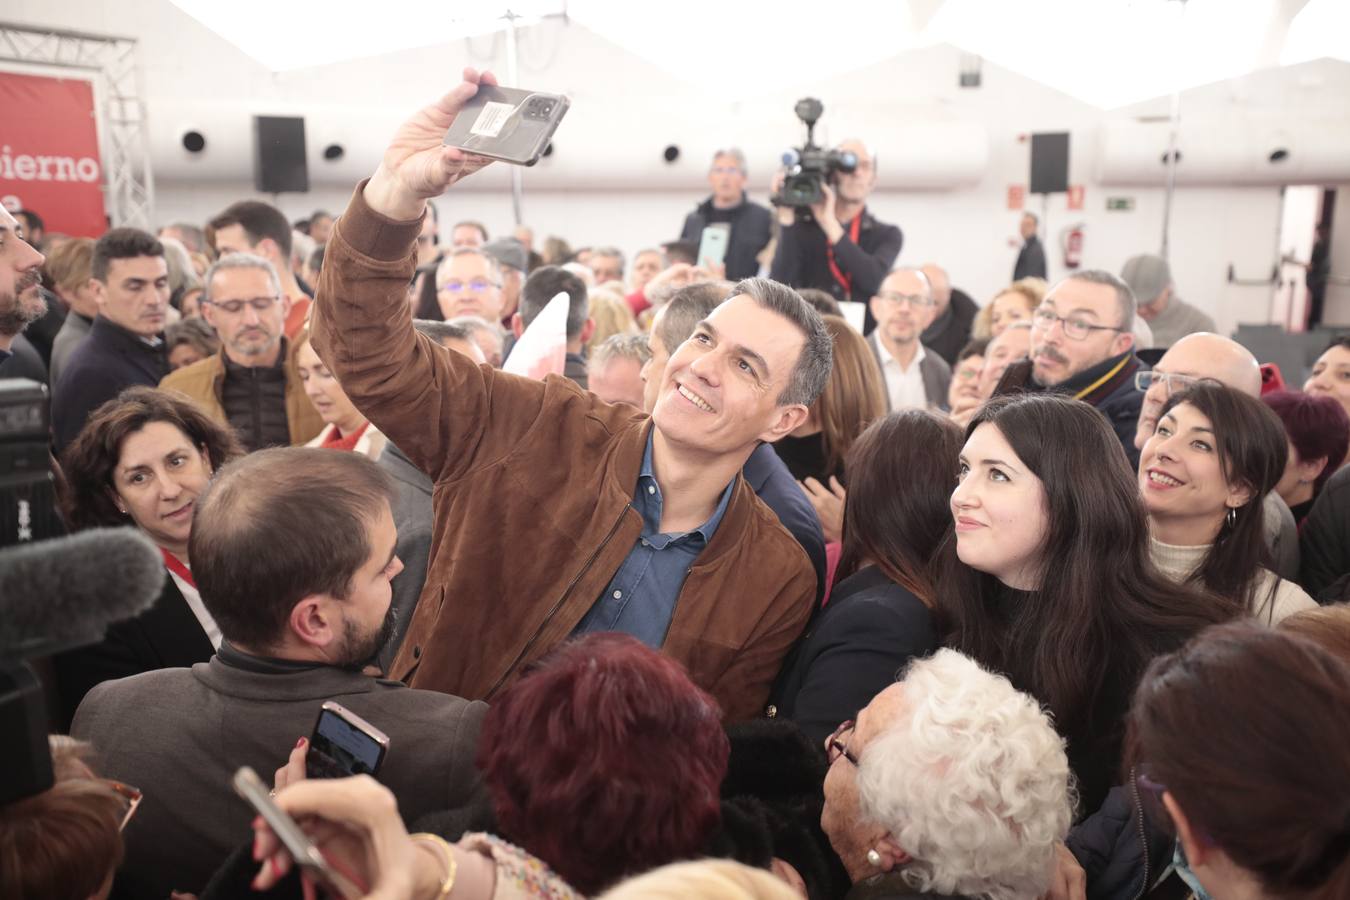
(806, 575)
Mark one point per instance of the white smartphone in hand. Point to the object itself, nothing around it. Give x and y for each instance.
(712, 246)
(506, 124)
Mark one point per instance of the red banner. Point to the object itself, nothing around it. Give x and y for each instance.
(49, 160)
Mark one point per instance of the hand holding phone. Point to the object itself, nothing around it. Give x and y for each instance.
(303, 852)
(712, 246)
(507, 124)
(344, 744)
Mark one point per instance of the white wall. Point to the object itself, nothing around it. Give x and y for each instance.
(623, 104)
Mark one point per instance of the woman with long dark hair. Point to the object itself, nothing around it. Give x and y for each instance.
(880, 614)
(1239, 741)
(1204, 474)
(1051, 581)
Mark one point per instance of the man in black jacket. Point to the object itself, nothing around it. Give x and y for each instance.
(1326, 542)
(125, 346)
(841, 248)
(955, 315)
(21, 302)
(749, 222)
(1031, 258)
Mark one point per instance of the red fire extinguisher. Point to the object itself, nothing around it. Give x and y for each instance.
(1072, 242)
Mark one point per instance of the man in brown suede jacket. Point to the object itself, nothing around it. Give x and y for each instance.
(557, 513)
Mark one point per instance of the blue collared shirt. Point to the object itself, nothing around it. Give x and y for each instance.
(640, 599)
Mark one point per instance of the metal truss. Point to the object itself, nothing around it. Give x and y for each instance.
(129, 189)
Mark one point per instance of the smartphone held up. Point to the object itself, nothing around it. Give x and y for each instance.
(506, 124)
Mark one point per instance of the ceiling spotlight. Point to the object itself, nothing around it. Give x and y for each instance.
(334, 152)
(1280, 154)
(194, 141)
(671, 153)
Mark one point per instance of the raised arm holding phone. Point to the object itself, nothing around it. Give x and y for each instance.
(557, 513)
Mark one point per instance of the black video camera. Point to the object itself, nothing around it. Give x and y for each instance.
(810, 168)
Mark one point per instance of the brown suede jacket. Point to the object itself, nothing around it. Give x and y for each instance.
(203, 379)
(533, 484)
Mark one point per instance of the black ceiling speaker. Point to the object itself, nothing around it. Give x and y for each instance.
(1050, 163)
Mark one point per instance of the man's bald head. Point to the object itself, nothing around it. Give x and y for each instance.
(940, 283)
(1199, 355)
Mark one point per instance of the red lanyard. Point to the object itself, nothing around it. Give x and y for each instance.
(839, 276)
(174, 565)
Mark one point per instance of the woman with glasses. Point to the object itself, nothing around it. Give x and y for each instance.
(66, 841)
(143, 459)
(1052, 581)
(880, 614)
(1240, 745)
(1204, 476)
(950, 782)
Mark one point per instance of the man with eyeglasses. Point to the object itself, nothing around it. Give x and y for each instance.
(1082, 344)
(750, 223)
(842, 249)
(915, 376)
(252, 383)
(469, 283)
(125, 345)
(1211, 357)
(260, 229)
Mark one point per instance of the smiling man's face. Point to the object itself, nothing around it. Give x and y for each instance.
(720, 391)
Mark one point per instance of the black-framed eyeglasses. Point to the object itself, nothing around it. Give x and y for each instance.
(1171, 383)
(1075, 329)
(130, 795)
(918, 301)
(235, 307)
(836, 746)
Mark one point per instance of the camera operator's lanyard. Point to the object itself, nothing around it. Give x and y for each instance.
(174, 565)
(846, 280)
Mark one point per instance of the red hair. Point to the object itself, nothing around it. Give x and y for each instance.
(1317, 426)
(604, 760)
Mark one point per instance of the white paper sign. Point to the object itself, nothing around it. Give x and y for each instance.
(542, 348)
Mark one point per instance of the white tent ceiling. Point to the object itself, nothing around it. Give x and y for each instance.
(1108, 53)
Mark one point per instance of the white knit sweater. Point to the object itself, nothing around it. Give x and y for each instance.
(1177, 563)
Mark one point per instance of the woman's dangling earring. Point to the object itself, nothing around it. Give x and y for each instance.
(1230, 519)
(874, 858)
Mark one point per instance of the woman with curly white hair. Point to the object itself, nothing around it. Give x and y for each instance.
(950, 782)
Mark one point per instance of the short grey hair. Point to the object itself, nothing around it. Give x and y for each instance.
(232, 261)
(736, 154)
(492, 264)
(812, 370)
(440, 332)
(687, 307)
(475, 325)
(621, 346)
(972, 780)
(1125, 301)
(611, 253)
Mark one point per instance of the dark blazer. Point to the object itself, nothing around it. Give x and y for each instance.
(857, 645)
(165, 636)
(802, 259)
(751, 228)
(768, 477)
(936, 373)
(412, 518)
(1030, 260)
(1326, 542)
(951, 330)
(108, 361)
(180, 734)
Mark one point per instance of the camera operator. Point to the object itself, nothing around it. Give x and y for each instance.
(840, 248)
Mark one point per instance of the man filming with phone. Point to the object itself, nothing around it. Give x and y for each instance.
(836, 245)
(749, 223)
(557, 513)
